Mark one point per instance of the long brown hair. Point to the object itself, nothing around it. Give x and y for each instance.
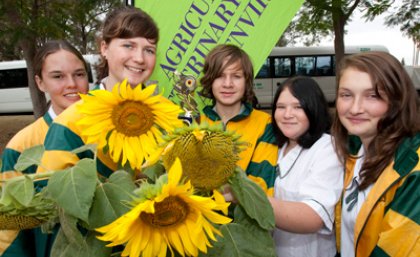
(126, 22)
(213, 68)
(401, 120)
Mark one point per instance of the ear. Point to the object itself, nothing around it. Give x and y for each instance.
(40, 84)
(104, 48)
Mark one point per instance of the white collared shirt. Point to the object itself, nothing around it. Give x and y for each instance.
(316, 179)
(52, 113)
(351, 207)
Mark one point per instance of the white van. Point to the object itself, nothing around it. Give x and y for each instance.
(316, 62)
(14, 90)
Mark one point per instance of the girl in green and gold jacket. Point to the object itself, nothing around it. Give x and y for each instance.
(377, 135)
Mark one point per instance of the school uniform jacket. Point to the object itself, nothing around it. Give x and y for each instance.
(259, 158)
(388, 222)
(30, 242)
(63, 137)
(31, 135)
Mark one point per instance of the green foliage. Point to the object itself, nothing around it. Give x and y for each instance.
(253, 200)
(244, 238)
(18, 191)
(29, 157)
(74, 188)
(406, 17)
(110, 198)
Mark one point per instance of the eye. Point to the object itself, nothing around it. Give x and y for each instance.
(128, 46)
(57, 76)
(373, 95)
(344, 95)
(81, 74)
(150, 51)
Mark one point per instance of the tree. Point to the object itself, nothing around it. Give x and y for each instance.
(320, 18)
(27, 24)
(85, 21)
(406, 15)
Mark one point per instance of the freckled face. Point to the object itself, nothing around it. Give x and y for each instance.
(63, 78)
(358, 106)
(133, 59)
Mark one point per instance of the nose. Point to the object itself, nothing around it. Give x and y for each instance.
(71, 82)
(138, 56)
(356, 106)
(288, 112)
(227, 82)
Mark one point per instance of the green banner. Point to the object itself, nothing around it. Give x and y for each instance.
(189, 29)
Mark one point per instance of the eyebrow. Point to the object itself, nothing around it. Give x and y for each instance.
(59, 71)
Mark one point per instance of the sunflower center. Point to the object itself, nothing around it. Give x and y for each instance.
(170, 212)
(132, 118)
(207, 163)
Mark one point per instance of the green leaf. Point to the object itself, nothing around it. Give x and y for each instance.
(29, 157)
(19, 190)
(70, 242)
(96, 247)
(62, 247)
(70, 229)
(73, 188)
(109, 199)
(83, 148)
(242, 241)
(253, 199)
(154, 172)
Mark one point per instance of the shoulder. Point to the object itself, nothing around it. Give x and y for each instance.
(69, 115)
(325, 141)
(323, 148)
(29, 136)
(260, 116)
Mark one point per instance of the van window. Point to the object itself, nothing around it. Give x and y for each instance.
(13, 78)
(324, 66)
(282, 67)
(286, 62)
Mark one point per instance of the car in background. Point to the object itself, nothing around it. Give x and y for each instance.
(14, 90)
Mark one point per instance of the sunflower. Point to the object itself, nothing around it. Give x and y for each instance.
(128, 123)
(208, 154)
(171, 217)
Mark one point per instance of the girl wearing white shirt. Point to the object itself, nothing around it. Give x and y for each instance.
(310, 176)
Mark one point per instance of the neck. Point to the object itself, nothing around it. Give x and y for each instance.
(227, 112)
(290, 145)
(109, 83)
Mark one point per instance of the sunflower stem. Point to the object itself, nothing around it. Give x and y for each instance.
(34, 177)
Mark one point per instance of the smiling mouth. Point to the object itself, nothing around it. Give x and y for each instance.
(137, 70)
(72, 95)
(353, 120)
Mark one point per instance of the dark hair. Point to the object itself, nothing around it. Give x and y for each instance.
(401, 120)
(214, 66)
(313, 103)
(51, 47)
(126, 22)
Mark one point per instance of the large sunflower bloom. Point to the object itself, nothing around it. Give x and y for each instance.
(172, 218)
(126, 122)
(208, 154)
